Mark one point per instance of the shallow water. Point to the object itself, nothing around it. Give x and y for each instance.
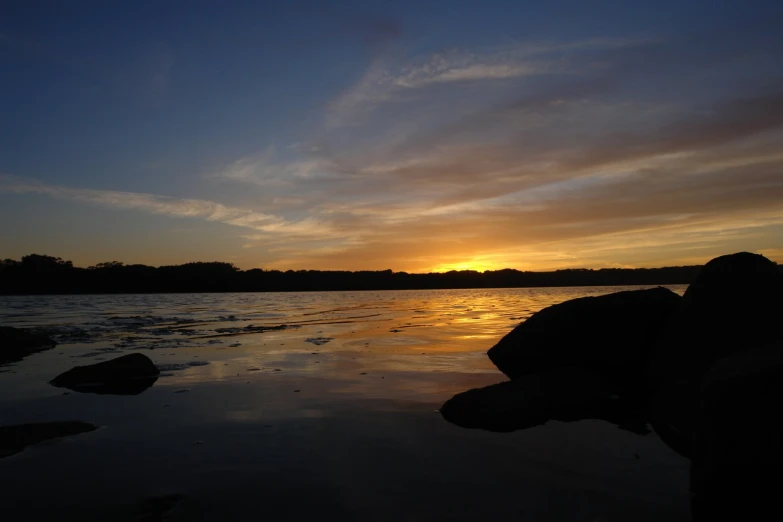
(310, 405)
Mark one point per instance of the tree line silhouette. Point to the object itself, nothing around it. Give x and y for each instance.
(41, 274)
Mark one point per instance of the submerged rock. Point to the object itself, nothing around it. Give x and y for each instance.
(14, 439)
(127, 375)
(18, 343)
(610, 335)
(564, 394)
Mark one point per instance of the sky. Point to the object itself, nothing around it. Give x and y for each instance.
(405, 135)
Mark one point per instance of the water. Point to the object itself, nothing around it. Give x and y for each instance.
(310, 405)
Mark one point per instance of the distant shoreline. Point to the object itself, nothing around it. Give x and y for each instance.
(46, 275)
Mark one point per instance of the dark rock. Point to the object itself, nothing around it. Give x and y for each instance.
(733, 305)
(713, 363)
(738, 455)
(14, 439)
(127, 375)
(319, 341)
(17, 343)
(564, 394)
(610, 335)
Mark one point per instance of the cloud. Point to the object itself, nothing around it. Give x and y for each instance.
(389, 78)
(267, 170)
(649, 209)
(514, 61)
(174, 207)
(441, 71)
(690, 184)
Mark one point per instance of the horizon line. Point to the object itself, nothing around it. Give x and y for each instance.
(95, 266)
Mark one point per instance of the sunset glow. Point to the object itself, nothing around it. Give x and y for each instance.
(374, 136)
(476, 267)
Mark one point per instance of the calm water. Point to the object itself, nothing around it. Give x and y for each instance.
(331, 417)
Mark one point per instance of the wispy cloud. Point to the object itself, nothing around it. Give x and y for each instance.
(389, 76)
(174, 207)
(641, 182)
(441, 71)
(266, 170)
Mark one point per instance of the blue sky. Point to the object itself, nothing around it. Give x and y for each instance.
(406, 135)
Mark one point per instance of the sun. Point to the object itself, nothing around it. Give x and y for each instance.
(477, 266)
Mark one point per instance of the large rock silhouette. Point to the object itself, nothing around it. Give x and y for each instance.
(610, 335)
(710, 381)
(127, 375)
(733, 307)
(581, 359)
(18, 343)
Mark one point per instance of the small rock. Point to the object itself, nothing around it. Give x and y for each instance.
(318, 341)
(18, 343)
(127, 375)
